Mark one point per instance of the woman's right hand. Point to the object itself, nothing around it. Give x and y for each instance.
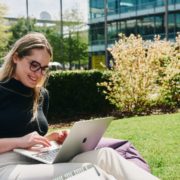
(32, 139)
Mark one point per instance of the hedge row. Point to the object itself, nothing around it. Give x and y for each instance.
(76, 94)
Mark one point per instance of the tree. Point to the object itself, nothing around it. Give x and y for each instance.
(76, 51)
(20, 28)
(56, 42)
(4, 35)
(76, 38)
(69, 49)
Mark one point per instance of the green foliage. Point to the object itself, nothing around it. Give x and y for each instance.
(56, 43)
(142, 72)
(170, 93)
(75, 93)
(20, 28)
(170, 80)
(4, 35)
(76, 51)
(70, 49)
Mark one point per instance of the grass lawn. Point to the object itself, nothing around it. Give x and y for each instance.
(156, 137)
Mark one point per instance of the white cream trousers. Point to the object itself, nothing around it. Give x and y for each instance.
(109, 163)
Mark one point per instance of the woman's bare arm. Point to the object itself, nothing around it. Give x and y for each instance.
(27, 141)
(8, 144)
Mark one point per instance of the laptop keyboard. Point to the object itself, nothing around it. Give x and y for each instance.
(47, 155)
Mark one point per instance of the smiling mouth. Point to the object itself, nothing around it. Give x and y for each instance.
(34, 80)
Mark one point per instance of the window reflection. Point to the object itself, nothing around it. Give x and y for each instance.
(147, 24)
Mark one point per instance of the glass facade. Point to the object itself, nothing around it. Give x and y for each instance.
(144, 17)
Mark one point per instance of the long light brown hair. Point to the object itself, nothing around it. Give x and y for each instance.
(23, 47)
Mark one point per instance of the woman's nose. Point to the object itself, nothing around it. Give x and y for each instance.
(39, 72)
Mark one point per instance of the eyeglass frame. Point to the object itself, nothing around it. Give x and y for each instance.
(44, 69)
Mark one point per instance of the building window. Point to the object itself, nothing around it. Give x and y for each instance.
(127, 6)
(148, 25)
(123, 27)
(112, 31)
(159, 25)
(177, 22)
(96, 9)
(131, 27)
(171, 23)
(96, 34)
(112, 7)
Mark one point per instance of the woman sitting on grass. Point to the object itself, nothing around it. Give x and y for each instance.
(24, 124)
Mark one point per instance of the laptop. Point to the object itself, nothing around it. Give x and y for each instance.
(84, 136)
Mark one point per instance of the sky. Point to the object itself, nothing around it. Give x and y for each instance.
(17, 8)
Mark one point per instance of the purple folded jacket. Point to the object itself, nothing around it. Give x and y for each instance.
(125, 149)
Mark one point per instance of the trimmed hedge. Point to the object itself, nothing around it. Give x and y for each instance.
(75, 94)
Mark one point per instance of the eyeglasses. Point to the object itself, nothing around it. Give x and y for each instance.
(36, 66)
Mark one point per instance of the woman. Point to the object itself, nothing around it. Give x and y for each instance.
(23, 121)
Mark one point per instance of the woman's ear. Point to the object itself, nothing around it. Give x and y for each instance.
(15, 57)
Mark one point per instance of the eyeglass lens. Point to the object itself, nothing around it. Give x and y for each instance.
(35, 66)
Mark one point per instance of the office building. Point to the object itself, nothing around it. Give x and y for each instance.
(108, 18)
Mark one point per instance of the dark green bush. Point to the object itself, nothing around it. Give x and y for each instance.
(76, 94)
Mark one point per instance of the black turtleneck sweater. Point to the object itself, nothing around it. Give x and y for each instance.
(16, 103)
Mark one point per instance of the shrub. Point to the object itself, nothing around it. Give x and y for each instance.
(74, 94)
(141, 74)
(170, 80)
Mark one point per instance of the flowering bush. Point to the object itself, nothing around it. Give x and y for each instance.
(170, 82)
(143, 73)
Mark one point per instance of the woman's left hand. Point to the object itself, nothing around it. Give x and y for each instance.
(59, 137)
